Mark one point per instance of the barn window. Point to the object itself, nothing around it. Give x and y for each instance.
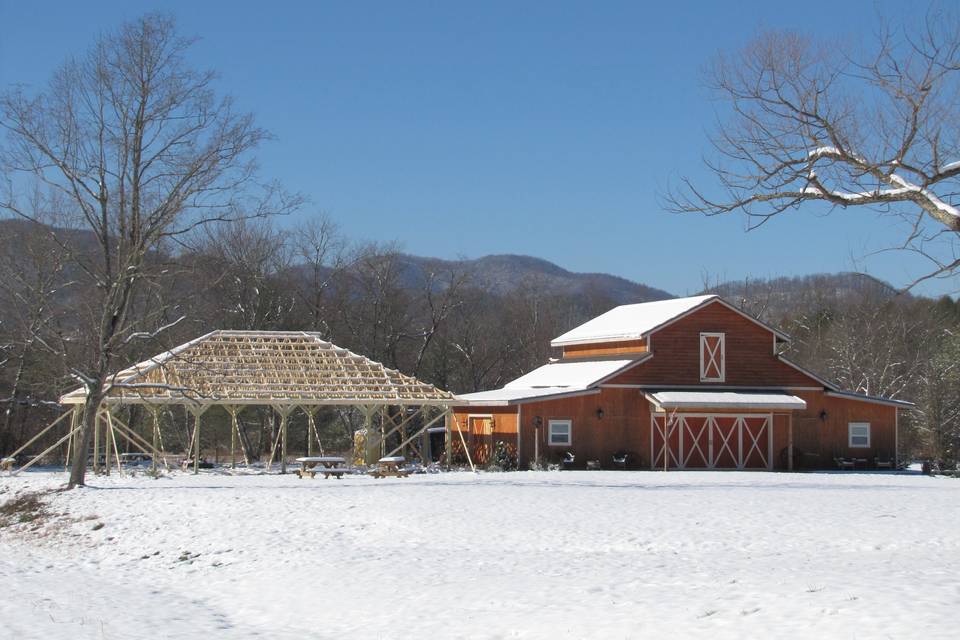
(712, 356)
(859, 434)
(560, 433)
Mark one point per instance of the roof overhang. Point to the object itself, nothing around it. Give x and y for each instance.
(512, 397)
(850, 395)
(764, 400)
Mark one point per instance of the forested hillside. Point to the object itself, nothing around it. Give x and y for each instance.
(464, 325)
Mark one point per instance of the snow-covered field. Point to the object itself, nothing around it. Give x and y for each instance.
(517, 555)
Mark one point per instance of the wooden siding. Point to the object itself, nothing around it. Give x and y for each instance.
(604, 348)
(822, 440)
(626, 425)
(481, 437)
(623, 427)
(749, 358)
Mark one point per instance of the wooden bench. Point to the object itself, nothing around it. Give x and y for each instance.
(884, 464)
(390, 466)
(845, 463)
(327, 465)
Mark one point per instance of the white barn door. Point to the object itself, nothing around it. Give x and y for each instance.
(711, 441)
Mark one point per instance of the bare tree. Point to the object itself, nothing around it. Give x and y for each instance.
(250, 261)
(321, 248)
(811, 123)
(141, 151)
(31, 291)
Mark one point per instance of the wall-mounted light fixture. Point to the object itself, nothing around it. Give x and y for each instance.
(537, 421)
(599, 413)
(823, 415)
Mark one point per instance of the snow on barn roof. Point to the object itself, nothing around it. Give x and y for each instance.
(569, 374)
(553, 379)
(635, 321)
(725, 400)
(263, 367)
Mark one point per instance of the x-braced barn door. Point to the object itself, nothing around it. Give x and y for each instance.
(711, 441)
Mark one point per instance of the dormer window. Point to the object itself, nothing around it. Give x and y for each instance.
(712, 357)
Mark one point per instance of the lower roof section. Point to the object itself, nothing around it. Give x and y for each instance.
(507, 396)
(554, 380)
(725, 400)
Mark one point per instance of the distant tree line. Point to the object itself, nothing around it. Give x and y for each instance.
(444, 326)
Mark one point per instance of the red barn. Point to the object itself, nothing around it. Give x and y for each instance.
(690, 383)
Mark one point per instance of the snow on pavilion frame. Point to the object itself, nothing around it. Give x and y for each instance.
(285, 370)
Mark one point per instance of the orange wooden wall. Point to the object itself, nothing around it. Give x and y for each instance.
(605, 348)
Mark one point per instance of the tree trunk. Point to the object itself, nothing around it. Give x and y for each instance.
(78, 466)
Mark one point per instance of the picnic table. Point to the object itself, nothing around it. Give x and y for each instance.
(327, 465)
(390, 466)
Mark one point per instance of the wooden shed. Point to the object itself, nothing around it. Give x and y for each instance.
(689, 383)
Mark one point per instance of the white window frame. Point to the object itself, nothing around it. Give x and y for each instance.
(722, 347)
(850, 435)
(568, 423)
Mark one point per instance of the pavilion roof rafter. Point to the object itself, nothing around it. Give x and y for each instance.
(228, 367)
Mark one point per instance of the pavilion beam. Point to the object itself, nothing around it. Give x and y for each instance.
(311, 411)
(368, 412)
(233, 410)
(155, 432)
(96, 443)
(135, 438)
(397, 427)
(417, 434)
(113, 440)
(448, 439)
(57, 421)
(284, 412)
(197, 411)
(463, 440)
(39, 457)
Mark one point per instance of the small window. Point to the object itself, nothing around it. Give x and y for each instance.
(712, 356)
(560, 433)
(859, 434)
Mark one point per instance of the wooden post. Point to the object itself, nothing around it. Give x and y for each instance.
(448, 439)
(71, 441)
(283, 442)
(96, 442)
(312, 432)
(283, 411)
(426, 455)
(230, 409)
(197, 411)
(790, 442)
(113, 441)
(106, 445)
(383, 444)
(368, 426)
(155, 414)
(310, 429)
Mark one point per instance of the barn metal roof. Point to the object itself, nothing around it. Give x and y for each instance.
(635, 321)
(264, 367)
(554, 379)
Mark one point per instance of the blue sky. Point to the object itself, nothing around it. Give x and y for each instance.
(465, 129)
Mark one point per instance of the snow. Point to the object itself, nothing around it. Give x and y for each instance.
(727, 399)
(555, 378)
(630, 321)
(496, 397)
(519, 555)
(904, 187)
(569, 374)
